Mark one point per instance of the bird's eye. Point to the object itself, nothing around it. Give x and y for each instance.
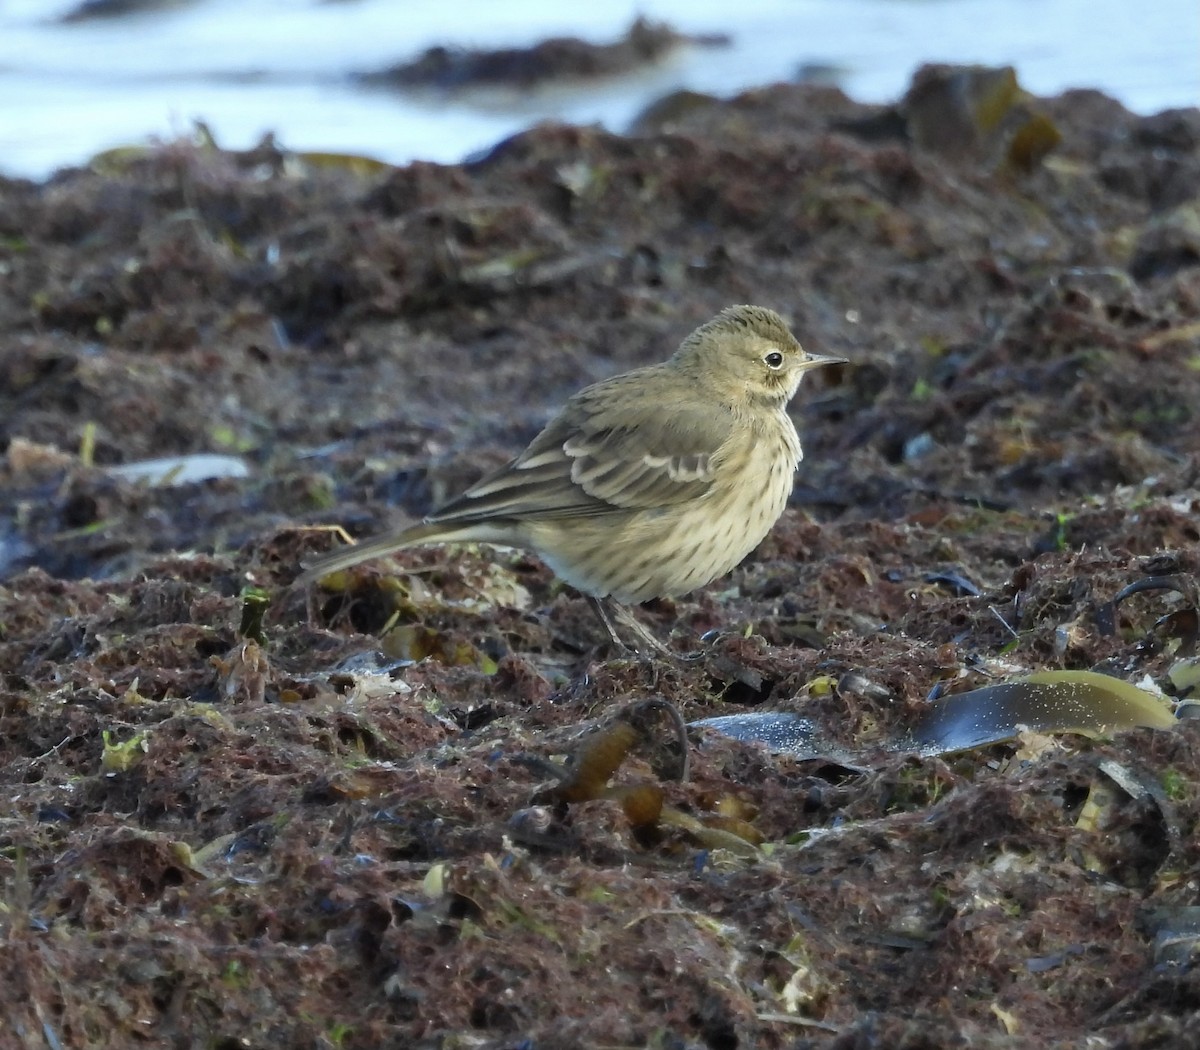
(774, 360)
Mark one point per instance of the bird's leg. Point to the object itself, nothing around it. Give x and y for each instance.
(613, 612)
(600, 608)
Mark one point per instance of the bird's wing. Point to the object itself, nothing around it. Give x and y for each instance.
(662, 455)
(601, 454)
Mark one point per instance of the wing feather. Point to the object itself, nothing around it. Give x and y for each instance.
(610, 449)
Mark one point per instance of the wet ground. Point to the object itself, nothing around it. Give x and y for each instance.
(350, 825)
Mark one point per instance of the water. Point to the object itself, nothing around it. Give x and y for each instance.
(69, 91)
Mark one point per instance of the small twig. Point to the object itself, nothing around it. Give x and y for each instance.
(1008, 626)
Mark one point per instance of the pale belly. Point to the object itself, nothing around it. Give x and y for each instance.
(634, 556)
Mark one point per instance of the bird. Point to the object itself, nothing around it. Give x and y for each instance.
(646, 485)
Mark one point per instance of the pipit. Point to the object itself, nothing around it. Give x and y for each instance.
(646, 485)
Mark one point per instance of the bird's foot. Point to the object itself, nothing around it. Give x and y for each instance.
(612, 613)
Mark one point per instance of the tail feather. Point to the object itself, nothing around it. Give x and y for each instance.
(426, 532)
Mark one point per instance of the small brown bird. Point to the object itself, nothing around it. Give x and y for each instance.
(646, 485)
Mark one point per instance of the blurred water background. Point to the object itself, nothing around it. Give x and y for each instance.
(69, 89)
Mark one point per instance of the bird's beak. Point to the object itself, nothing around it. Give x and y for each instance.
(817, 360)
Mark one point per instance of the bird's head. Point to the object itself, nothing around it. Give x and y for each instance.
(749, 352)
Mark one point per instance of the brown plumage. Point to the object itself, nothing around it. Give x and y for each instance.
(646, 485)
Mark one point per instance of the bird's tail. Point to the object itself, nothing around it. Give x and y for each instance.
(414, 536)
